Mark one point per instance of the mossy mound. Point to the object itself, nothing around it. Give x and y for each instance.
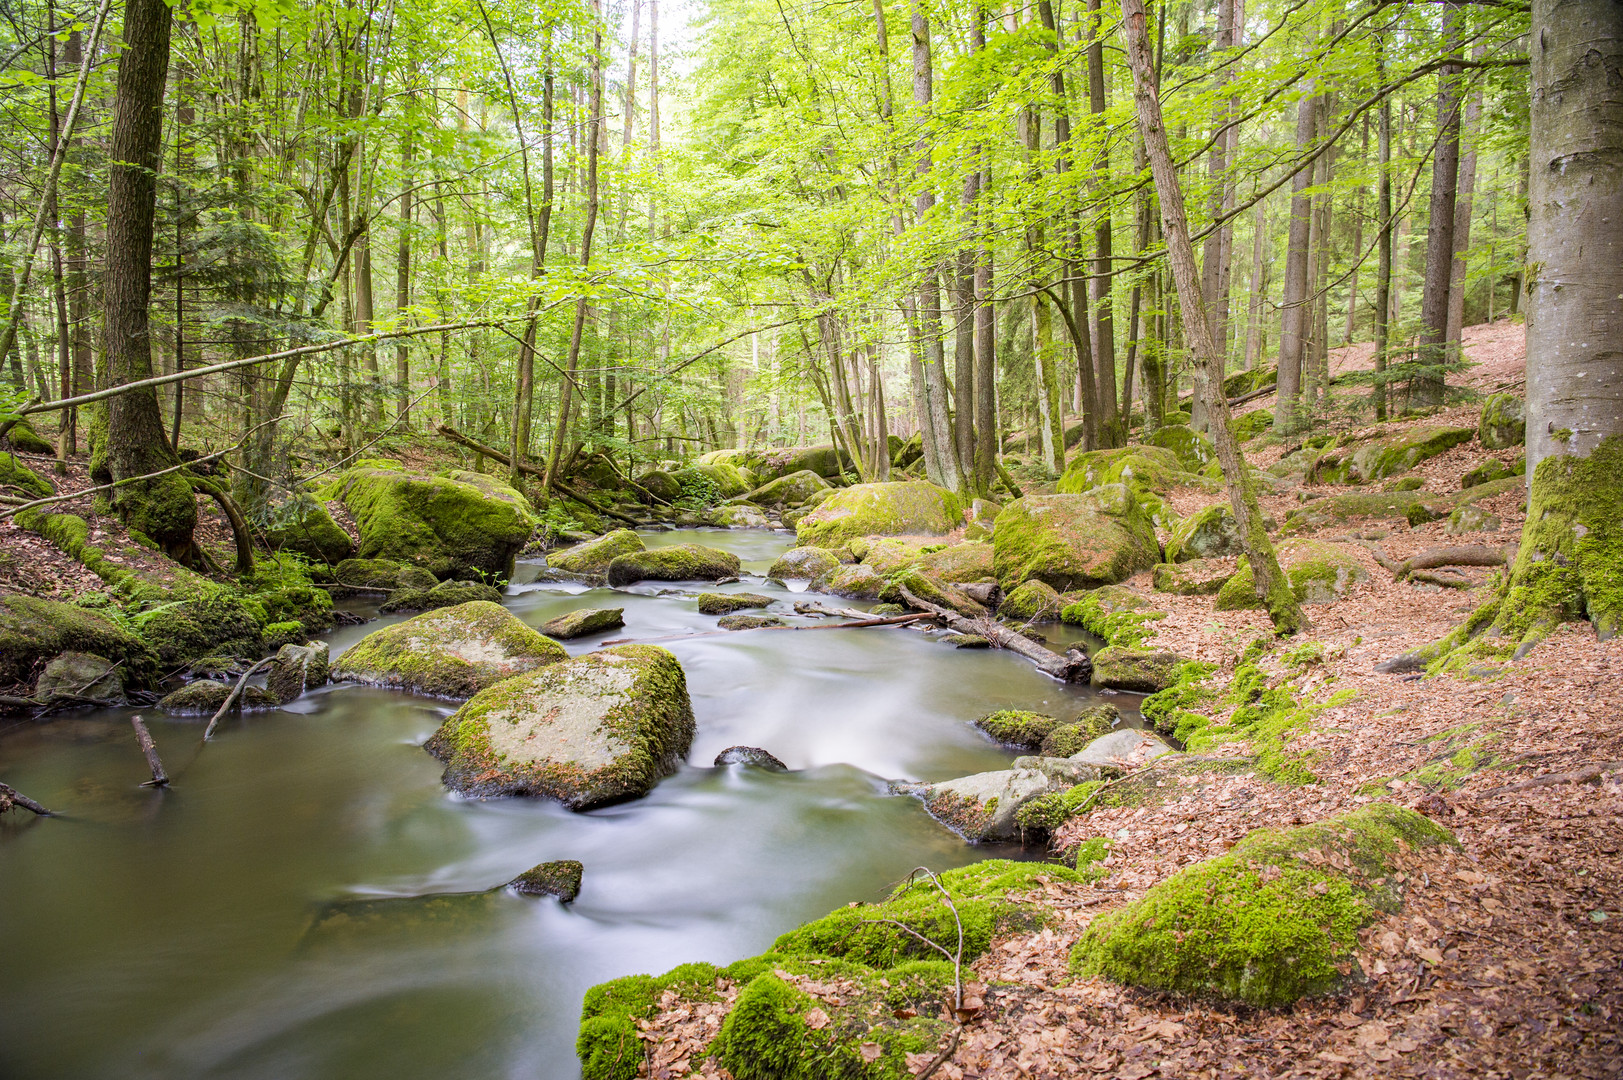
(583, 622)
(1197, 577)
(1274, 920)
(445, 594)
(740, 515)
(1140, 671)
(1194, 450)
(729, 481)
(594, 556)
(791, 490)
(451, 652)
(959, 564)
(21, 479)
(1210, 533)
(902, 508)
(1503, 423)
(859, 582)
(372, 574)
(1319, 573)
(205, 696)
(1252, 424)
(1116, 614)
(1152, 469)
(205, 619)
(1017, 728)
(712, 603)
(1487, 472)
(560, 878)
(32, 630)
(661, 485)
(1381, 458)
(803, 563)
(22, 436)
(889, 555)
(679, 562)
(1071, 542)
(1031, 601)
(1073, 738)
(303, 525)
(453, 524)
(590, 731)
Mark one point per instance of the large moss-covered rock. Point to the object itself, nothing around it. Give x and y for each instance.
(803, 563)
(791, 490)
(583, 622)
(373, 574)
(14, 474)
(1274, 920)
(594, 730)
(1194, 450)
(1208, 534)
(728, 481)
(452, 652)
(1380, 458)
(80, 678)
(1489, 471)
(32, 630)
(203, 619)
(445, 594)
(960, 564)
(1503, 423)
(982, 807)
(859, 582)
(205, 696)
(304, 526)
(1148, 472)
(1141, 671)
(1319, 573)
(1114, 613)
(715, 603)
(1197, 577)
(1071, 542)
(594, 556)
(678, 562)
(453, 524)
(661, 485)
(823, 460)
(1031, 601)
(740, 515)
(298, 669)
(900, 508)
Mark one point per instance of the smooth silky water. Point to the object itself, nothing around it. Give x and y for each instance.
(180, 933)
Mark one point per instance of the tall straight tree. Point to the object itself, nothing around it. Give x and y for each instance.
(1111, 432)
(1293, 301)
(1445, 170)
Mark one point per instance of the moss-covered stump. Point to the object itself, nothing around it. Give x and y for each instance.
(1319, 573)
(583, 622)
(1503, 423)
(298, 669)
(77, 678)
(1208, 534)
(451, 652)
(715, 603)
(446, 594)
(590, 731)
(791, 490)
(370, 575)
(982, 806)
(901, 508)
(1070, 542)
(594, 556)
(1381, 458)
(205, 696)
(25, 481)
(679, 562)
(1140, 671)
(859, 582)
(1017, 728)
(748, 622)
(560, 878)
(303, 525)
(803, 563)
(1116, 614)
(959, 564)
(1273, 921)
(1197, 577)
(453, 524)
(32, 630)
(1031, 601)
(1194, 450)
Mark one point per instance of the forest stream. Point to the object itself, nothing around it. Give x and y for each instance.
(212, 929)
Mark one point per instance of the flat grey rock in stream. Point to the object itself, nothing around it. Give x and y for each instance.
(585, 621)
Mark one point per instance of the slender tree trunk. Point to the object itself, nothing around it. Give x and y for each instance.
(1293, 300)
(1213, 279)
(1256, 306)
(1433, 351)
(1462, 214)
(1112, 431)
(402, 281)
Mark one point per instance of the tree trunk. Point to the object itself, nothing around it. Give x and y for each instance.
(1462, 214)
(162, 508)
(402, 281)
(1433, 351)
(1271, 584)
(1111, 432)
(1256, 306)
(1214, 260)
(1293, 321)
(1383, 266)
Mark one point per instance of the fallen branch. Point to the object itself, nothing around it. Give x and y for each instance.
(10, 796)
(1074, 666)
(1456, 555)
(1589, 774)
(150, 749)
(1426, 577)
(232, 696)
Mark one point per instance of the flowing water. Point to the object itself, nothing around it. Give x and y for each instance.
(175, 933)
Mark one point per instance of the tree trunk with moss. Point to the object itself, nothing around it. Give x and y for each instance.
(161, 508)
(1570, 563)
(1271, 583)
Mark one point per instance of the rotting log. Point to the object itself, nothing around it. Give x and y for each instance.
(1454, 555)
(1072, 667)
(10, 796)
(150, 749)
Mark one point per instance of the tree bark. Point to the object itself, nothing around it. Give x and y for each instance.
(1111, 431)
(1462, 214)
(1293, 299)
(1383, 268)
(1433, 351)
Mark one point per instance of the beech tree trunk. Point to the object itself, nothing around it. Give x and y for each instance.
(1111, 432)
(1293, 322)
(1433, 349)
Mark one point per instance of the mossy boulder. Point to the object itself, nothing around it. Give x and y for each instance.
(79, 678)
(1031, 601)
(304, 526)
(1071, 542)
(1143, 468)
(1503, 423)
(594, 730)
(1017, 729)
(791, 490)
(1197, 577)
(451, 652)
(982, 807)
(1389, 456)
(899, 508)
(584, 622)
(21, 479)
(560, 878)
(1486, 473)
(1273, 921)
(888, 555)
(445, 594)
(1209, 534)
(1470, 519)
(712, 603)
(1194, 450)
(859, 582)
(205, 696)
(931, 590)
(824, 461)
(661, 485)
(1415, 507)
(204, 619)
(1141, 671)
(729, 480)
(22, 436)
(277, 634)
(453, 524)
(1114, 613)
(594, 556)
(960, 564)
(803, 563)
(298, 669)
(740, 515)
(32, 630)
(748, 622)
(678, 562)
(373, 574)
(1252, 424)
(1319, 573)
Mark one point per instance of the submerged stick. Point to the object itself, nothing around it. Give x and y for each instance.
(232, 696)
(150, 749)
(10, 796)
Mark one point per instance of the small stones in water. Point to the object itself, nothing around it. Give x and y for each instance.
(560, 878)
(748, 622)
(711, 603)
(585, 621)
(967, 641)
(749, 755)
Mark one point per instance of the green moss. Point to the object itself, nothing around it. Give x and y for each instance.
(1193, 449)
(803, 563)
(1387, 457)
(1031, 601)
(1016, 728)
(1151, 469)
(902, 508)
(22, 436)
(594, 556)
(1319, 573)
(32, 630)
(1136, 670)
(1197, 577)
(371, 574)
(1181, 709)
(678, 562)
(304, 526)
(456, 524)
(21, 479)
(449, 652)
(1116, 615)
(959, 563)
(1503, 423)
(1071, 542)
(1272, 921)
(277, 634)
(1252, 424)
